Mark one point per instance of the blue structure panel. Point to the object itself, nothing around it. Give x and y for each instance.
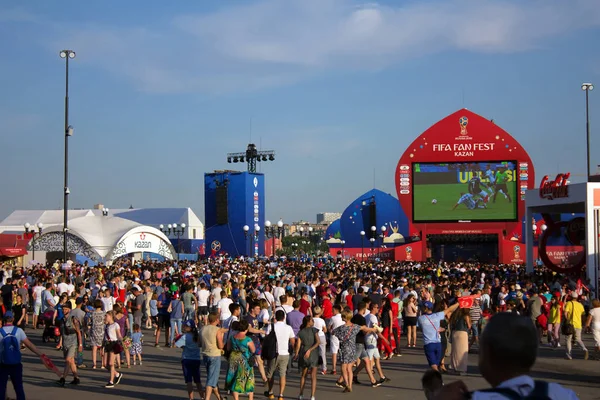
(245, 206)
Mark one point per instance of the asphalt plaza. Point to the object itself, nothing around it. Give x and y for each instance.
(160, 376)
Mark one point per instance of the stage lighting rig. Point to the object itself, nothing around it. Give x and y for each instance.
(251, 156)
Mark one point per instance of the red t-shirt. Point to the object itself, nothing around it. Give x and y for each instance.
(327, 308)
(349, 302)
(304, 306)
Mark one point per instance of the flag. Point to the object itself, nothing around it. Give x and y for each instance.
(467, 301)
(50, 365)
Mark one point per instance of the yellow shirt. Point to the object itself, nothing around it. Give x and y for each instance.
(575, 311)
(554, 316)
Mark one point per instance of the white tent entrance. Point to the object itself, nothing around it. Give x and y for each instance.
(100, 237)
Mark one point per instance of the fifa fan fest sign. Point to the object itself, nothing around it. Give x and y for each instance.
(437, 169)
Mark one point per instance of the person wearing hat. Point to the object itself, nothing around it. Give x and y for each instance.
(430, 325)
(14, 371)
(573, 315)
(72, 343)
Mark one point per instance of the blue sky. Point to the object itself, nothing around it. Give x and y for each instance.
(161, 91)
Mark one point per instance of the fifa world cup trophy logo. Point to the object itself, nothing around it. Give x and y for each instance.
(408, 253)
(463, 121)
(517, 250)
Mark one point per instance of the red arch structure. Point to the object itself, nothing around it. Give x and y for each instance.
(465, 137)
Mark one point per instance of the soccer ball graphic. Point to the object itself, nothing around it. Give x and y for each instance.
(433, 201)
(463, 121)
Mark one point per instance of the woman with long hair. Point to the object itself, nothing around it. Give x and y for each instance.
(240, 375)
(306, 354)
(112, 348)
(410, 319)
(460, 325)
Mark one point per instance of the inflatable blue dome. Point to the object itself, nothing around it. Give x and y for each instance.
(374, 208)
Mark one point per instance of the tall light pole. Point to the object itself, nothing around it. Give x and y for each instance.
(66, 54)
(587, 87)
(176, 231)
(246, 229)
(383, 229)
(362, 245)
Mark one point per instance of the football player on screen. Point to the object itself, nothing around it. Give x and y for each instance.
(469, 201)
(478, 188)
(490, 174)
(502, 176)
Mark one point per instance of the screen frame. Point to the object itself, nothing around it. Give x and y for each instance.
(515, 201)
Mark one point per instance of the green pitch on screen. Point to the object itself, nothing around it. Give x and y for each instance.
(447, 196)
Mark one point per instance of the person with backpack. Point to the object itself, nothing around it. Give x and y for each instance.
(508, 351)
(11, 338)
(284, 338)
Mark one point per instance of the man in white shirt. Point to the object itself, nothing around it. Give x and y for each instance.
(335, 322)
(62, 287)
(216, 295)
(508, 350)
(278, 291)
(223, 307)
(203, 297)
(37, 302)
(285, 340)
(371, 341)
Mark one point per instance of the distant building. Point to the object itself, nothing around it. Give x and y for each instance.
(328, 217)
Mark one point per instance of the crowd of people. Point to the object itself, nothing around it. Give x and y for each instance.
(344, 318)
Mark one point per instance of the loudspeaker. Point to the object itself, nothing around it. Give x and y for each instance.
(222, 205)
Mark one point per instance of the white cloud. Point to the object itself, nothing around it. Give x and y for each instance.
(271, 43)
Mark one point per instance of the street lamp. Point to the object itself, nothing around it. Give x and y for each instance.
(383, 229)
(105, 212)
(255, 238)
(177, 231)
(587, 87)
(301, 229)
(362, 245)
(343, 242)
(31, 230)
(246, 229)
(272, 231)
(66, 54)
(372, 240)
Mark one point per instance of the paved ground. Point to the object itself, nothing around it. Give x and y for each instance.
(160, 377)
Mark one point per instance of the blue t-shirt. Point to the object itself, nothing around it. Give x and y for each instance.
(191, 351)
(430, 324)
(136, 337)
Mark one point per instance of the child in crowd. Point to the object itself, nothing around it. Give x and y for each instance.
(431, 382)
(136, 343)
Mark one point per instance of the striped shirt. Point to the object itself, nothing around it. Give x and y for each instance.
(475, 314)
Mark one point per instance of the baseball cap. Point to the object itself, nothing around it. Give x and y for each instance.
(8, 314)
(190, 323)
(428, 305)
(574, 294)
(517, 287)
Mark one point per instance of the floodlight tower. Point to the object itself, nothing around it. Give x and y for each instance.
(251, 156)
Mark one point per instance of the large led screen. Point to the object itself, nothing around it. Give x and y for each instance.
(465, 192)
